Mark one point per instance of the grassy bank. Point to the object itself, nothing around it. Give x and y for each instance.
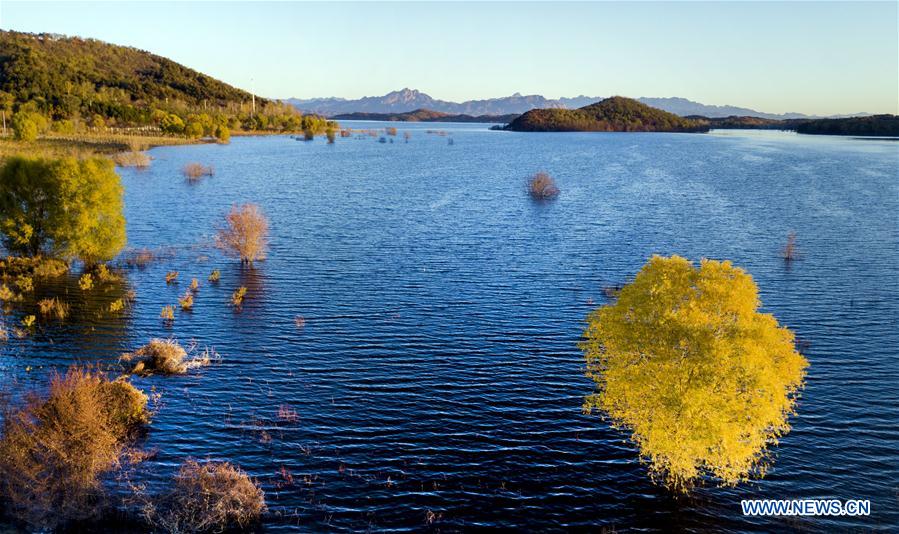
(85, 144)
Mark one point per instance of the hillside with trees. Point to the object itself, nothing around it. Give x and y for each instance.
(615, 114)
(874, 125)
(71, 85)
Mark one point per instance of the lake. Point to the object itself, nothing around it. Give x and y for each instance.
(437, 381)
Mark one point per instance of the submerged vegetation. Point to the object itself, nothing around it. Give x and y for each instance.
(165, 357)
(195, 171)
(542, 186)
(687, 364)
(790, 251)
(207, 497)
(56, 448)
(245, 234)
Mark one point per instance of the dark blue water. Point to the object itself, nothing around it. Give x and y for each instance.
(437, 375)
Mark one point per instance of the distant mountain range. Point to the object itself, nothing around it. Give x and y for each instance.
(407, 100)
(424, 115)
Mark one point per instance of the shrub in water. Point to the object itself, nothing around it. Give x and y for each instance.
(542, 186)
(55, 449)
(703, 381)
(237, 296)
(207, 497)
(167, 314)
(245, 234)
(195, 171)
(53, 307)
(790, 251)
(164, 356)
(167, 357)
(132, 159)
(187, 301)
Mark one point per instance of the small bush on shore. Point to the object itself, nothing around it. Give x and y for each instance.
(55, 449)
(139, 160)
(207, 497)
(542, 186)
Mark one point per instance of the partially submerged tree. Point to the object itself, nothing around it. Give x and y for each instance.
(245, 234)
(703, 381)
(62, 207)
(542, 186)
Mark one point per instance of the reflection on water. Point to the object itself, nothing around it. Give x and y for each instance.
(437, 377)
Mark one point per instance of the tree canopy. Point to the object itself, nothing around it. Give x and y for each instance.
(703, 381)
(65, 207)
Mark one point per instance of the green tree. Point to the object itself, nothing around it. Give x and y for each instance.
(23, 126)
(62, 207)
(172, 124)
(223, 134)
(685, 362)
(193, 130)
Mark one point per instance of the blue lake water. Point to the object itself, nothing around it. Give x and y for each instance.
(437, 375)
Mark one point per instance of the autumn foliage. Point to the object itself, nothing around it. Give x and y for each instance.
(55, 449)
(703, 381)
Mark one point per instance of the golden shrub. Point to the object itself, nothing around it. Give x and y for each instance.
(703, 381)
(245, 234)
(55, 449)
(207, 497)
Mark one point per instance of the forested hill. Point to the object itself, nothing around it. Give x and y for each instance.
(90, 83)
(615, 114)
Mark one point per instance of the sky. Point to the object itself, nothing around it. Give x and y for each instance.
(811, 57)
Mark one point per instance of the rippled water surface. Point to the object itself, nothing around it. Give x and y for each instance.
(437, 376)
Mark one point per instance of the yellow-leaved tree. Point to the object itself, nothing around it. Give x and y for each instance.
(686, 363)
(66, 207)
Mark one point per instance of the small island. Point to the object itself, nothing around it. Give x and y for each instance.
(614, 114)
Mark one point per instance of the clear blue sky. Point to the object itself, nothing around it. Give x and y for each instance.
(810, 57)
